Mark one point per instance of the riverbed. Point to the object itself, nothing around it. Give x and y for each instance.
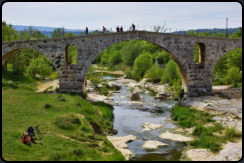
(128, 121)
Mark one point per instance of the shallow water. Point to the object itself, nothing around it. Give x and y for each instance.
(128, 121)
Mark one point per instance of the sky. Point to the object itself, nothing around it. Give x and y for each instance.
(145, 15)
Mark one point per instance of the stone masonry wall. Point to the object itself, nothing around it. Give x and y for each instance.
(196, 78)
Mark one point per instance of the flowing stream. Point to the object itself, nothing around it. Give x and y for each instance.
(128, 121)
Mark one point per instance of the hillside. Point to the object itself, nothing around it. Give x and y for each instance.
(220, 30)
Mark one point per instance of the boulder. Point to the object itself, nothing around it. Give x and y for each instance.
(135, 96)
(175, 137)
(119, 143)
(143, 108)
(161, 95)
(153, 144)
(150, 126)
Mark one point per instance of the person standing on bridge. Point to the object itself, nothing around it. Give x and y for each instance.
(104, 29)
(121, 29)
(133, 26)
(117, 28)
(86, 31)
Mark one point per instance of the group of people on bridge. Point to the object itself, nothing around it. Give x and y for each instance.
(132, 28)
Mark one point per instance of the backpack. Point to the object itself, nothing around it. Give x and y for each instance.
(23, 138)
(30, 130)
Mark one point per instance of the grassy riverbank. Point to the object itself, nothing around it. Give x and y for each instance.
(211, 137)
(72, 129)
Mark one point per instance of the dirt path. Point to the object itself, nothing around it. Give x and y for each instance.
(43, 86)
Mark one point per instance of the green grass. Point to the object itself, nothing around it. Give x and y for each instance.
(71, 129)
(205, 137)
(188, 117)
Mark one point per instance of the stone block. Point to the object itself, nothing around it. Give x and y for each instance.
(199, 89)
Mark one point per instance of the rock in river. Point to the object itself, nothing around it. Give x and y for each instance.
(175, 137)
(135, 96)
(153, 144)
(150, 126)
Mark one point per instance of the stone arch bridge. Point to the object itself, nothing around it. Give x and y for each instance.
(196, 78)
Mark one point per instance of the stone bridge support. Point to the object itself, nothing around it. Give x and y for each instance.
(196, 78)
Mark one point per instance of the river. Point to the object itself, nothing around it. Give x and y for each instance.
(128, 121)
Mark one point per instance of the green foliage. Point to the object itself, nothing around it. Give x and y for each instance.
(210, 142)
(128, 73)
(231, 132)
(95, 80)
(233, 74)
(47, 105)
(67, 123)
(58, 32)
(171, 72)
(39, 66)
(196, 53)
(61, 98)
(131, 51)
(154, 73)
(54, 75)
(188, 117)
(104, 91)
(142, 63)
(72, 51)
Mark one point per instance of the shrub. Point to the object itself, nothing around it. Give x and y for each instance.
(234, 84)
(47, 106)
(141, 64)
(54, 75)
(128, 73)
(104, 91)
(233, 74)
(171, 72)
(231, 132)
(154, 73)
(39, 66)
(95, 81)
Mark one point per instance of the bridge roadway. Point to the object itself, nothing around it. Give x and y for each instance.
(196, 78)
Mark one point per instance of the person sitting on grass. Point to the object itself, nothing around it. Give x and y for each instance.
(27, 139)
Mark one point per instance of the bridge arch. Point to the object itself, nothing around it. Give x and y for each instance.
(67, 55)
(162, 46)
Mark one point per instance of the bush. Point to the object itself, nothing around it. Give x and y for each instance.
(154, 73)
(104, 91)
(233, 74)
(39, 66)
(231, 132)
(128, 73)
(171, 72)
(141, 64)
(54, 75)
(234, 84)
(95, 81)
(47, 106)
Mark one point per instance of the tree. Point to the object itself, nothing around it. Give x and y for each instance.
(233, 74)
(142, 63)
(131, 51)
(171, 72)
(39, 66)
(58, 32)
(154, 73)
(160, 28)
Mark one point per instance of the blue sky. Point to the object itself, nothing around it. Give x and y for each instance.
(94, 15)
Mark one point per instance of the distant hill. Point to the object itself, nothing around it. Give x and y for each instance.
(220, 30)
(42, 28)
(46, 30)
